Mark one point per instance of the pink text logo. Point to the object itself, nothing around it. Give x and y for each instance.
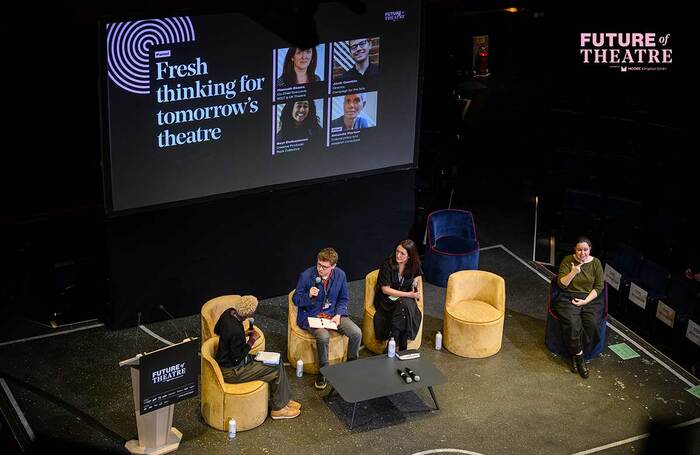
(627, 51)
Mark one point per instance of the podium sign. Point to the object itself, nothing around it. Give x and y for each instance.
(168, 375)
(160, 379)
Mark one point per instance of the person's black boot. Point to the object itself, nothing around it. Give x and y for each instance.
(573, 364)
(321, 382)
(581, 366)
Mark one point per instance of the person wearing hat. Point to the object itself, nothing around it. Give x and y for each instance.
(238, 366)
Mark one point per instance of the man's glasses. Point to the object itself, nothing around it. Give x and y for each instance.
(323, 267)
(362, 43)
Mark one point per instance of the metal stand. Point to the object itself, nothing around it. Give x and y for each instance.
(156, 434)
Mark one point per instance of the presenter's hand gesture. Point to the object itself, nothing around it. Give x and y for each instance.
(578, 302)
(252, 335)
(313, 292)
(336, 319)
(576, 267)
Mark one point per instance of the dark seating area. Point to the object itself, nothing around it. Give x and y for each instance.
(655, 303)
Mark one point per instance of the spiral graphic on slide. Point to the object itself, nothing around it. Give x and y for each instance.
(129, 44)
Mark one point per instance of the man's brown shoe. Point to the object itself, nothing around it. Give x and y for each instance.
(285, 413)
(294, 404)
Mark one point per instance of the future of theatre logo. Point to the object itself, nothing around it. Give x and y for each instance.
(627, 52)
(394, 16)
(169, 374)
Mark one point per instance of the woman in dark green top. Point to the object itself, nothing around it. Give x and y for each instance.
(579, 306)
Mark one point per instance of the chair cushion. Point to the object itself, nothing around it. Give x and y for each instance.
(455, 245)
(475, 311)
(243, 388)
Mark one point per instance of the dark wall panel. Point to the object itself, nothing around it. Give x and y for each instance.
(253, 244)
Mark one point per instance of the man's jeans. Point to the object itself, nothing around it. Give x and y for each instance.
(347, 328)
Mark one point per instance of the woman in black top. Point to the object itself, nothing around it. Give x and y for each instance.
(238, 366)
(398, 315)
(299, 67)
(298, 120)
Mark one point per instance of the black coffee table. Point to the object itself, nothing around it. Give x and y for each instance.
(375, 377)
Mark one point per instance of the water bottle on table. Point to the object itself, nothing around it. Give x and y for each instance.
(392, 348)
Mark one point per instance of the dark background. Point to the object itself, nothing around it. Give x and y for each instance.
(541, 124)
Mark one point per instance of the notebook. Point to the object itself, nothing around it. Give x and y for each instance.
(268, 358)
(408, 354)
(318, 323)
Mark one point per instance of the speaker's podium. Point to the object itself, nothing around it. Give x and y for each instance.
(159, 380)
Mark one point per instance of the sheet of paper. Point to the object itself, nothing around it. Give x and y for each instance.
(623, 351)
(693, 332)
(695, 391)
(665, 314)
(638, 296)
(612, 276)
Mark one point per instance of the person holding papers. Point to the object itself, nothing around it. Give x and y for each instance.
(579, 306)
(322, 292)
(238, 366)
(397, 313)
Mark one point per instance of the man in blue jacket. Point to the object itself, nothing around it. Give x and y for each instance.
(322, 291)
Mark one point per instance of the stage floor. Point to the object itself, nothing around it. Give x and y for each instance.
(71, 391)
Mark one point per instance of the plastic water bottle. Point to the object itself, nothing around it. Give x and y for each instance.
(438, 340)
(300, 368)
(231, 429)
(392, 347)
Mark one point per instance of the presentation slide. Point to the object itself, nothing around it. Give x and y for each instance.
(205, 105)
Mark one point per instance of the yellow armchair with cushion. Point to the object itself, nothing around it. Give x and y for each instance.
(368, 337)
(210, 313)
(245, 402)
(302, 345)
(475, 307)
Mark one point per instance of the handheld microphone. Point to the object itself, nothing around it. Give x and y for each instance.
(171, 319)
(251, 321)
(412, 374)
(317, 284)
(404, 376)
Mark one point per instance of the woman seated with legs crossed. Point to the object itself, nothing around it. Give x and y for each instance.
(398, 315)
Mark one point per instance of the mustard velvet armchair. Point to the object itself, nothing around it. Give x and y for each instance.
(368, 337)
(210, 313)
(475, 307)
(245, 402)
(302, 345)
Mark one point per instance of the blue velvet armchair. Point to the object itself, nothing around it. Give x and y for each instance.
(452, 245)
